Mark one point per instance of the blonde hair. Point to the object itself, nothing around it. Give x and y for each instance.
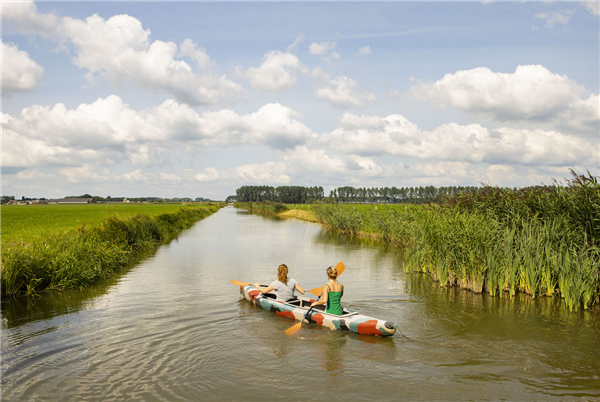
(282, 273)
(332, 272)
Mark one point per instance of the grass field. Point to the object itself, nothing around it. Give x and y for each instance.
(47, 247)
(21, 223)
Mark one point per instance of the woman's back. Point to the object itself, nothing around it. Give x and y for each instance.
(334, 297)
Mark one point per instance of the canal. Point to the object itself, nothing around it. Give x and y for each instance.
(173, 328)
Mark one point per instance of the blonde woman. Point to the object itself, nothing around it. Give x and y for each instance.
(332, 293)
(284, 287)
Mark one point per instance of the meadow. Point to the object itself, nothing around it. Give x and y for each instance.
(47, 247)
(22, 222)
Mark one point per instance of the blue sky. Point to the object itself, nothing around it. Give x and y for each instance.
(199, 98)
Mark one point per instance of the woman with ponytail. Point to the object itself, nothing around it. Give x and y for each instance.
(284, 287)
(332, 293)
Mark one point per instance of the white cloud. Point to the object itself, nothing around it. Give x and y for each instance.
(270, 173)
(340, 91)
(365, 50)
(582, 117)
(556, 17)
(82, 174)
(332, 56)
(137, 176)
(19, 72)
(210, 174)
(278, 71)
(131, 56)
(530, 93)
(203, 60)
(272, 124)
(395, 135)
(169, 177)
(312, 162)
(294, 44)
(146, 154)
(110, 129)
(24, 16)
(32, 174)
(592, 6)
(322, 48)
(500, 173)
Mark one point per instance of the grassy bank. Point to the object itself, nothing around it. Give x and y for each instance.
(76, 257)
(541, 241)
(264, 207)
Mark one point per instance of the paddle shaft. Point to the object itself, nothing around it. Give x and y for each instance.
(311, 307)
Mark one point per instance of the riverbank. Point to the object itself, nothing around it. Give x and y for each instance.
(540, 242)
(76, 258)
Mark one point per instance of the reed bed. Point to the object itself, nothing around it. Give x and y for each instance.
(540, 242)
(264, 207)
(77, 258)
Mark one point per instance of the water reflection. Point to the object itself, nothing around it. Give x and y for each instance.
(333, 351)
(175, 328)
(20, 310)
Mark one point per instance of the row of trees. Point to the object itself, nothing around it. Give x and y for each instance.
(284, 194)
(411, 195)
(302, 195)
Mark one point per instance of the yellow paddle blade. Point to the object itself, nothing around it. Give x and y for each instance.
(293, 329)
(238, 283)
(340, 267)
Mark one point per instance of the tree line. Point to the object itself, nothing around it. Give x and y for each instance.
(283, 194)
(394, 195)
(303, 195)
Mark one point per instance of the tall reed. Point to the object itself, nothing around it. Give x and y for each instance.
(541, 241)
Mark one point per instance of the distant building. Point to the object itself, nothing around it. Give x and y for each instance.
(70, 201)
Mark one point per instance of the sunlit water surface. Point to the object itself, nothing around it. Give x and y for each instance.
(173, 328)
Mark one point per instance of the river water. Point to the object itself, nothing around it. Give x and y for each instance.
(174, 328)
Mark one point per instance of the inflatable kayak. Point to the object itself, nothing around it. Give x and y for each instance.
(350, 320)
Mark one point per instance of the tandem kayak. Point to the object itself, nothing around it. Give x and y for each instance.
(350, 321)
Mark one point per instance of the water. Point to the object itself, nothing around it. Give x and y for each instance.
(174, 329)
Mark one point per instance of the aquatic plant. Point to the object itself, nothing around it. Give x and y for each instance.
(539, 241)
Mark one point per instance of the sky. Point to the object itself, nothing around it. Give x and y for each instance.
(196, 99)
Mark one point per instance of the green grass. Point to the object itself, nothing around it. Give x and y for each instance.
(540, 241)
(61, 253)
(264, 207)
(21, 223)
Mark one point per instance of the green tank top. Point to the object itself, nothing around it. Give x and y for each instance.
(334, 305)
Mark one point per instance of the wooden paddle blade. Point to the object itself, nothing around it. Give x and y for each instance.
(238, 283)
(293, 329)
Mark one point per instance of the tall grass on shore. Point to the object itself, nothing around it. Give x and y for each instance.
(79, 257)
(264, 207)
(542, 241)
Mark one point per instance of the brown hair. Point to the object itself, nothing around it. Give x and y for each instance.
(332, 272)
(282, 273)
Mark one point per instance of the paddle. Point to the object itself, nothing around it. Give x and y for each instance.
(339, 268)
(240, 283)
(295, 328)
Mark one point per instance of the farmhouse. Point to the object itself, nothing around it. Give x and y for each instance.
(70, 201)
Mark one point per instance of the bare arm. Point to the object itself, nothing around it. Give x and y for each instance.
(324, 298)
(299, 288)
(263, 290)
